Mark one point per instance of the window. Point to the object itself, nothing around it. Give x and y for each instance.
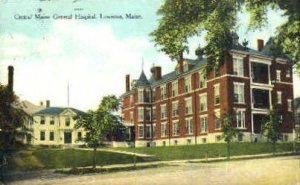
(42, 120)
(131, 116)
(141, 131)
(141, 113)
(217, 120)
(140, 95)
(154, 113)
(147, 114)
(163, 129)
(279, 97)
(153, 95)
(79, 135)
(163, 111)
(148, 131)
(67, 121)
(52, 120)
(189, 126)
(175, 128)
(175, 109)
(42, 135)
(175, 88)
(51, 136)
(187, 84)
(185, 67)
(204, 124)
(202, 80)
(238, 66)
(163, 91)
(203, 102)
(289, 101)
(217, 94)
(188, 106)
(239, 93)
(240, 119)
(288, 72)
(278, 75)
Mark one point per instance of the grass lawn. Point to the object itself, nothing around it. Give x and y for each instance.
(63, 158)
(209, 150)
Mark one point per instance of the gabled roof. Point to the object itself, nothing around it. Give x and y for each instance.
(56, 111)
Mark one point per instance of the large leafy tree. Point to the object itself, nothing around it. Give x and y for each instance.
(12, 120)
(271, 127)
(99, 123)
(217, 21)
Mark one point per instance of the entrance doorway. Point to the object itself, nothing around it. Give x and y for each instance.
(68, 137)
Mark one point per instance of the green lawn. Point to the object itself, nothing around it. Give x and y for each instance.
(209, 150)
(63, 158)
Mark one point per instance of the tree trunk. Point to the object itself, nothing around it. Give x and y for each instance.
(228, 150)
(274, 147)
(94, 158)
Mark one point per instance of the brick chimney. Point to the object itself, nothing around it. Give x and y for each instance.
(11, 78)
(127, 83)
(156, 72)
(260, 44)
(47, 103)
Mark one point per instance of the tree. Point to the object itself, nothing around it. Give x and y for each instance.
(99, 123)
(271, 127)
(217, 21)
(12, 120)
(229, 130)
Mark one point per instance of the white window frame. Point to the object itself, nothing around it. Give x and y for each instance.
(176, 128)
(175, 88)
(240, 118)
(217, 120)
(239, 90)
(238, 66)
(289, 104)
(188, 105)
(279, 97)
(163, 91)
(203, 124)
(187, 84)
(217, 94)
(202, 79)
(163, 111)
(141, 114)
(163, 129)
(175, 110)
(278, 75)
(140, 95)
(131, 119)
(203, 101)
(189, 127)
(141, 131)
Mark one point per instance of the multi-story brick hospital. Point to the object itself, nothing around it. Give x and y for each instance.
(186, 106)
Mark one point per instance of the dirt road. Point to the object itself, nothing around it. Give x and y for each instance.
(280, 170)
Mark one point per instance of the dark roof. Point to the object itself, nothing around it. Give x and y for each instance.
(57, 110)
(172, 75)
(142, 81)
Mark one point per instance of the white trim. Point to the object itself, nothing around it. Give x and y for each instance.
(260, 60)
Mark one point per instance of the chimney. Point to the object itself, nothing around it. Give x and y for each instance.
(156, 72)
(260, 44)
(11, 78)
(127, 83)
(47, 103)
(41, 103)
(180, 62)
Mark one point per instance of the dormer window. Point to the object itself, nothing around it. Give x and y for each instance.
(185, 67)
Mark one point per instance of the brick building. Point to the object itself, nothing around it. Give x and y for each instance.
(186, 106)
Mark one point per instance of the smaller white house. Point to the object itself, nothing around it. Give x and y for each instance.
(55, 126)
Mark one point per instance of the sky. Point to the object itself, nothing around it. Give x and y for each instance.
(91, 55)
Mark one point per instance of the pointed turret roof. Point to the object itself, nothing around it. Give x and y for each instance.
(142, 81)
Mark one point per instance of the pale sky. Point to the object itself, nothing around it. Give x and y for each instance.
(93, 56)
